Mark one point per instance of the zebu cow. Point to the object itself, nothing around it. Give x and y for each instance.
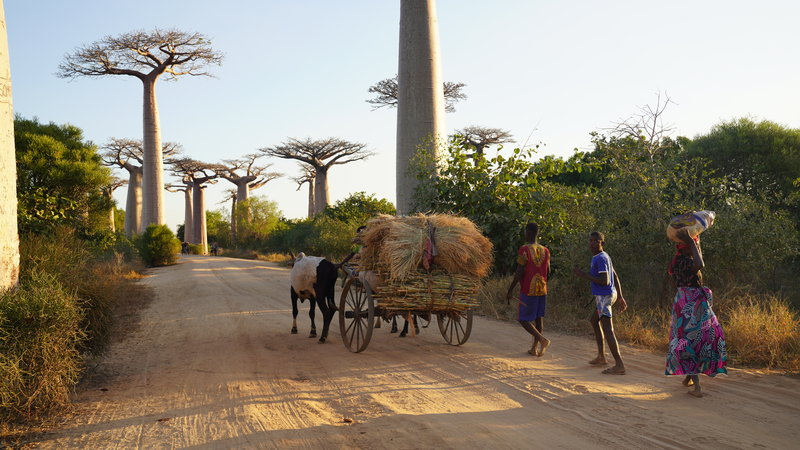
(314, 278)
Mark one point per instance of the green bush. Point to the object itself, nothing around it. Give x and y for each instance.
(159, 246)
(195, 249)
(39, 336)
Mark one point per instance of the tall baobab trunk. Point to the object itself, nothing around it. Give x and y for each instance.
(153, 163)
(321, 196)
(9, 237)
(420, 93)
(199, 235)
(133, 202)
(188, 214)
(311, 202)
(233, 218)
(242, 191)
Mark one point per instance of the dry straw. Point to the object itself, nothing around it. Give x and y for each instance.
(394, 248)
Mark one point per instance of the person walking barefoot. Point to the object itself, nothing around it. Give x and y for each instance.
(607, 290)
(696, 340)
(533, 269)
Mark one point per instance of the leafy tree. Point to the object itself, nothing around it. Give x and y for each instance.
(219, 228)
(59, 175)
(256, 218)
(757, 158)
(500, 195)
(358, 208)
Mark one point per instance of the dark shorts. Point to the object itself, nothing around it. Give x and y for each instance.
(530, 307)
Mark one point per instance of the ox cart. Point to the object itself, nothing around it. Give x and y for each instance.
(423, 265)
(359, 306)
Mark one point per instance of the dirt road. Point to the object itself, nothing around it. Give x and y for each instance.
(213, 365)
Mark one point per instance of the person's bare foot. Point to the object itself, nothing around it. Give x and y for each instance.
(616, 370)
(532, 351)
(599, 361)
(545, 343)
(688, 381)
(695, 393)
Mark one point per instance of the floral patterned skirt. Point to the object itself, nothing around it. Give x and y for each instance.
(696, 341)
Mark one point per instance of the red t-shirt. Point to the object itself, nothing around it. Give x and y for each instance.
(536, 259)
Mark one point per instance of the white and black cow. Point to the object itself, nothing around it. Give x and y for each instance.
(314, 278)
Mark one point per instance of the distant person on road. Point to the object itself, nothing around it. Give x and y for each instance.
(185, 248)
(214, 248)
(606, 290)
(533, 269)
(696, 341)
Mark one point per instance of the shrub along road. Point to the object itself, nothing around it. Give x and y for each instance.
(212, 364)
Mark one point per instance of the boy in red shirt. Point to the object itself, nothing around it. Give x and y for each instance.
(533, 268)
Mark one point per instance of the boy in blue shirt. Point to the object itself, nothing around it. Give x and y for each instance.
(606, 289)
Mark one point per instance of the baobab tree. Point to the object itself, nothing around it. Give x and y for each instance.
(420, 95)
(198, 174)
(386, 94)
(108, 192)
(9, 236)
(188, 207)
(146, 55)
(246, 174)
(128, 154)
(481, 137)
(321, 155)
(307, 175)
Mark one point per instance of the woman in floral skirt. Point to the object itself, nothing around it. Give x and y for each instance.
(696, 341)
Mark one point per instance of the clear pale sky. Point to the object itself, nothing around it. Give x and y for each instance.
(550, 72)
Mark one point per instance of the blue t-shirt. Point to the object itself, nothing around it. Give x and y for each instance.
(601, 264)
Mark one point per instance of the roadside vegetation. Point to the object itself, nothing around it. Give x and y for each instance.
(75, 273)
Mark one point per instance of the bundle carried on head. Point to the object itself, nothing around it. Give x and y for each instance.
(432, 262)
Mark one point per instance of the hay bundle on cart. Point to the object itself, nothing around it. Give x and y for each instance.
(426, 262)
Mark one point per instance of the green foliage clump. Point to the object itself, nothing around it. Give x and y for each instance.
(39, 337)
(158, 246)
(359, 207)
(195, 249)
(218, 228)
(59, 177)
(331, 232)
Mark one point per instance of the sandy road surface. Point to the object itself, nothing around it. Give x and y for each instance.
(213, 366)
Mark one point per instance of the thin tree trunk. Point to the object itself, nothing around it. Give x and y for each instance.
(420, 94)
(9, 236)
(153, 165)
(199, 235)
(311, 203)
(133, 202)
(108, 194)
(188, 215)
(321, 196)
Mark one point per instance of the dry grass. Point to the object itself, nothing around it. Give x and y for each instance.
(279, 258)
(761, 331)
(397, 244)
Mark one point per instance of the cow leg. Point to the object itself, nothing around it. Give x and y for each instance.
(416, 325)
(312, 302)
(405, 328)
(294, 311)
(394, 325)
(327, 307)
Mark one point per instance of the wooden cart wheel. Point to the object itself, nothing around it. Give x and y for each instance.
(455, 326)
(356, 315)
